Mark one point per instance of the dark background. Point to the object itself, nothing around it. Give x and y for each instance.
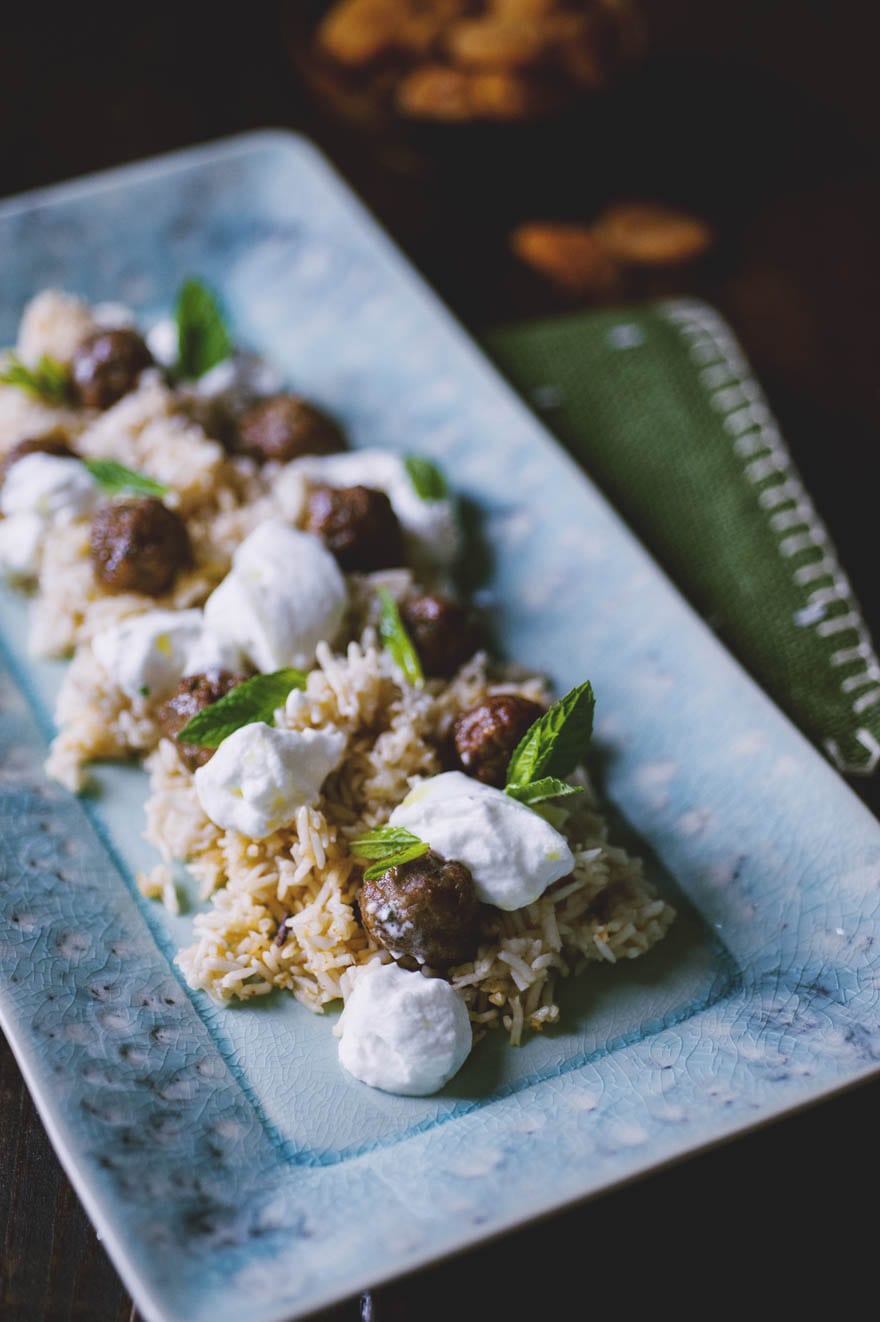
(763, 117)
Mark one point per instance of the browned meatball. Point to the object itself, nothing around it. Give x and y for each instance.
(358, 525)
(138, 546)
(106, 366)
(426, 909)
(443, 632)
(286, 427)
(54, 443)
(485, 736)
(192, 694)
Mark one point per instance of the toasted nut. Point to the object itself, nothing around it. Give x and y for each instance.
(648, 234)
(494, 43)
(358, 32)
(435, 92)
(579, 47)
(517, 9)
(419, 34)
(422, 24)
(499, 95)
(568, 255)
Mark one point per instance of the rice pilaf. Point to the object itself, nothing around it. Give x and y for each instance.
(283, 910)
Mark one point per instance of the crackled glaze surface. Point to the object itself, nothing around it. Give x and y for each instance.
(230, 1165)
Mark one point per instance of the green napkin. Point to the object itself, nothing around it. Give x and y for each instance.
(659, 405)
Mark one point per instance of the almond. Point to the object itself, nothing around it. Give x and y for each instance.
(435, 91)
(649, 234)
(495, 43)
(567, 254)
(358, 32)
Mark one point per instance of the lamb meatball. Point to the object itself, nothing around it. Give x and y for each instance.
(485, 736)
(139, 545)
(356, 524)
(442, 631)
(53, 443)
(106, 366)
(426, 909)
(286, 427)
(193, 693)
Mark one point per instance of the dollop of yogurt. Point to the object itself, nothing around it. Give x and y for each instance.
(402, 1032)
(162, 341)
(260, 776)
(430, 526)
(21, 541)
(239, 379)
(57, 489)
(284, 594)
(208, 652)
(513, 854)
(145, 655)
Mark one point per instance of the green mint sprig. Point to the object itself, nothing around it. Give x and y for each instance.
(49, 380)
(389, 846)
(203, 339)
(551, 748)
(427, 479)
(255, 699)
(114, 478)
(548, 787)
(397, 641)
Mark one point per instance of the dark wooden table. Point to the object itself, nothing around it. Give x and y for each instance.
(763, 116)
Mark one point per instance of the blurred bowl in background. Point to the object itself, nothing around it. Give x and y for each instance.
(410, 74)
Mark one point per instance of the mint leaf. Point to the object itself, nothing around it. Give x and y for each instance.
(113, 478)
(426, 477)
(556, 742)
(539, 790)
(252, 700)
(377, 870)
(380, 841)
(49, 380)
(397, 641)
(203, 340)
(390, 846)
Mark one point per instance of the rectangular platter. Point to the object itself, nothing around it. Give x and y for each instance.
(230, 1165)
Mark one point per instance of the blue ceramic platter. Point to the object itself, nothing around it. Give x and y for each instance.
(232, 1168)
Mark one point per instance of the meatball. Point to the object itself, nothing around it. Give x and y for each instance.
(286, 427)
(442, 631)
(138, 546)
(485, 736)
(426, 909)
(106, 366)
(358, 525)
(54, 443)
(193, 693)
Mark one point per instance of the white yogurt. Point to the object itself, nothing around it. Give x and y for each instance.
(284, 594)
(239, 379)
(146, 655)
(57, 489)
(430, 526)
(513, 854)
(208, 652)
(402, 1032)
(21, 541)
(162, 341)
(260, 776)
